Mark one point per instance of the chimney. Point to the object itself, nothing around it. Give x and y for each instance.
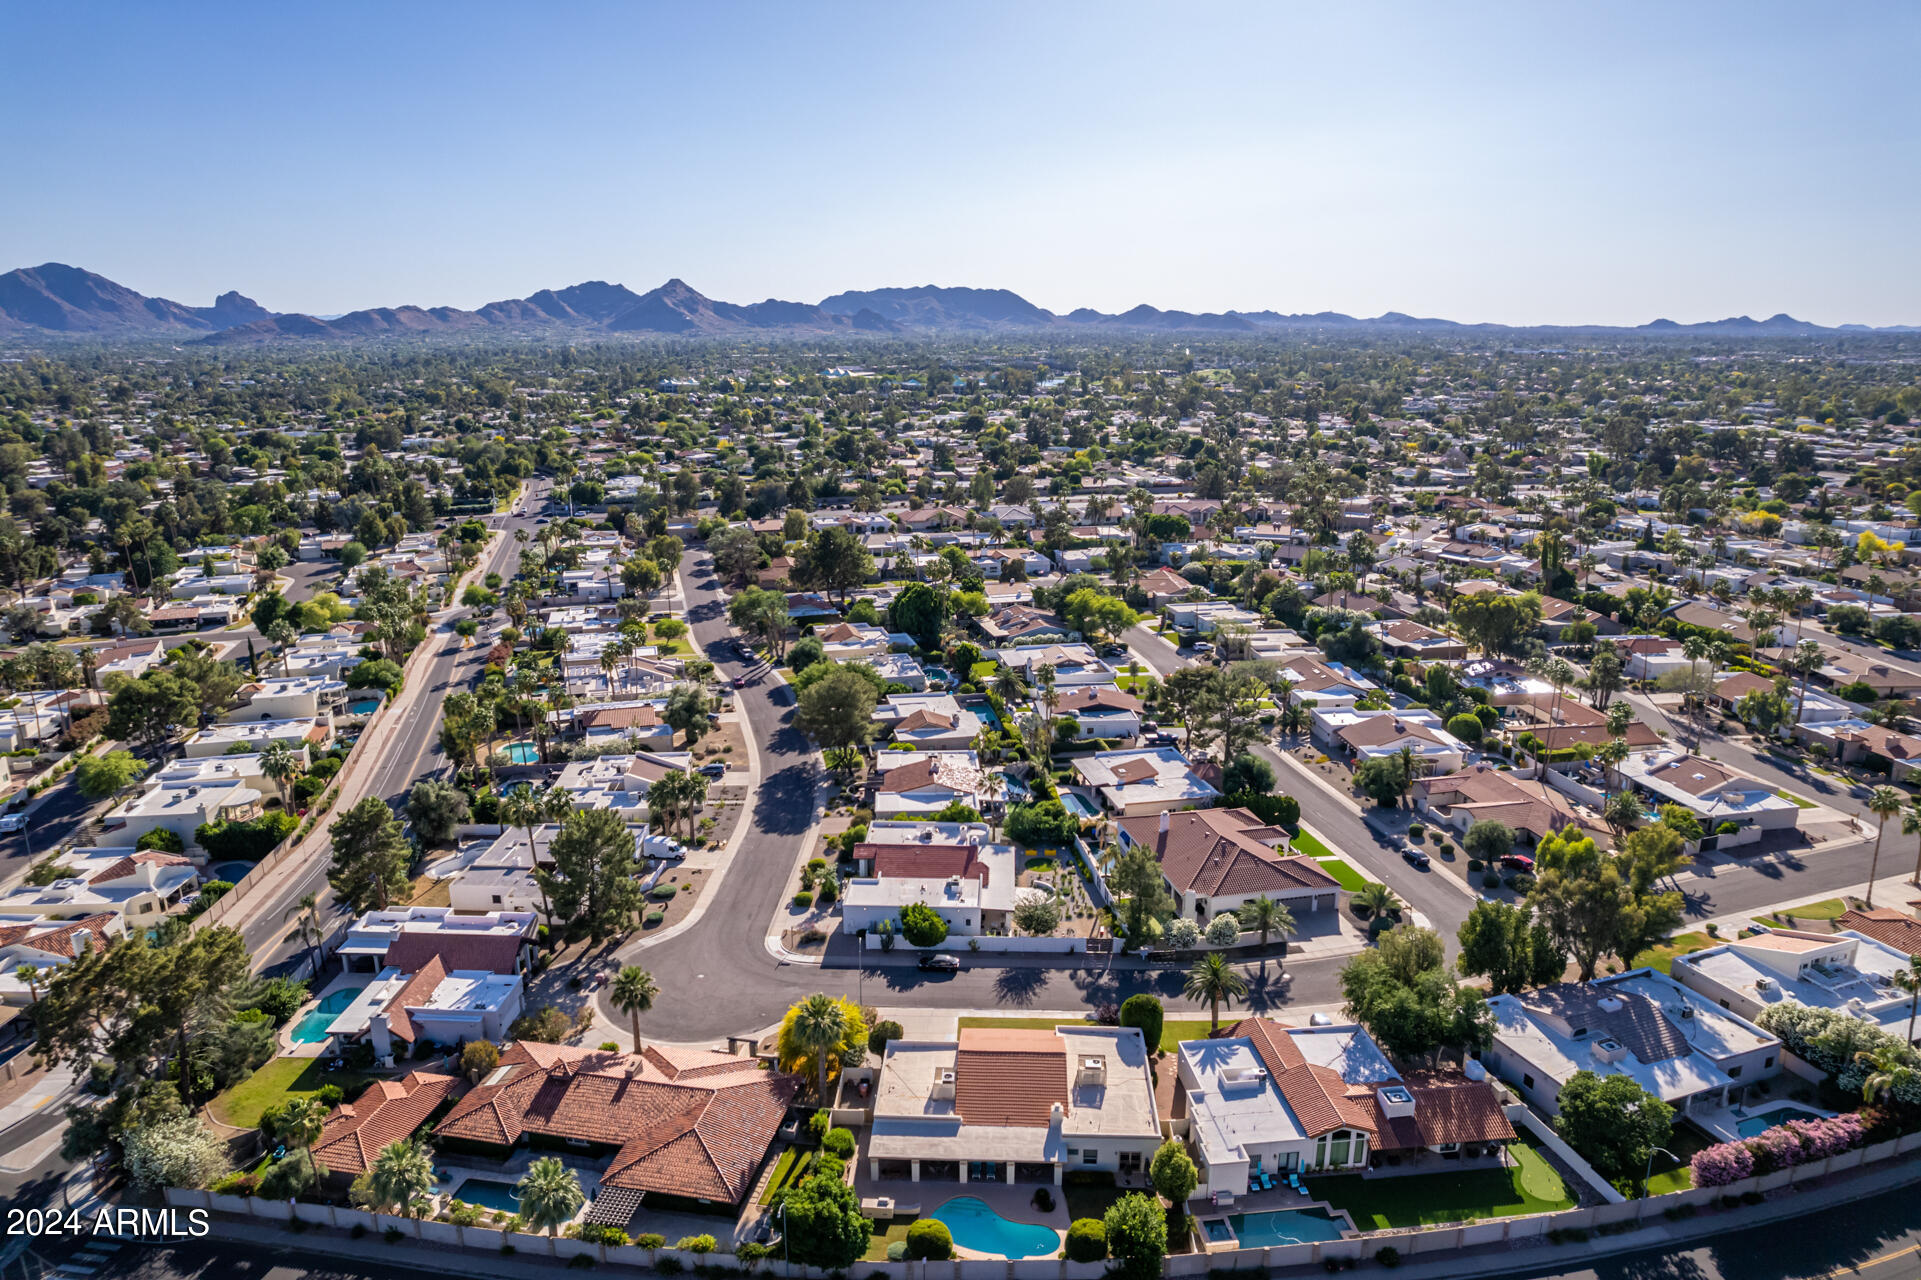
(1164, 822)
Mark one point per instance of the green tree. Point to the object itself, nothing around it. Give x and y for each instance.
(282, 765)
(1097, 615)
(1504, 944)
(822, 1224)
(686, 711)
(370, 856)
(1136, 1236)
(550, 1194)
(1173, 1173)
(436, 808)
(919, 610)
(151, 708)
(1488, 840)
(1883, 803)
(1137, 880)
(833, 560)
(105, 775)
(837, 711)
(1265, 916)
(592, 881)
(736, 553)
(1401, 993)
(921, 925)
(818, 1027)
(1614, 1123)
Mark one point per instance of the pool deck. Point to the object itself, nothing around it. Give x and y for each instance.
(1015, 1203)
(291, 1048)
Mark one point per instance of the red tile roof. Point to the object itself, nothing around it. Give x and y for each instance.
(686, 1123)
(1010, 1076)
(411, 949)
(925, 861)
(386, 1112)
(1225, 851)
(417, 990)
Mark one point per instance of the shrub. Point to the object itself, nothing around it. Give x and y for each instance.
(161, 840)
(695, 1244)
(1491, 880)
(1182, 935)
(1087, 1240)
(883, 1032)
(650, 1240)
(921, 925)
(664, 892)
(839, 1142)
(1224, 930)
(805, 899)
(1143, 1011)
(1475, 864)
(1388, 1255)
(330, 1095)
(929, 1239)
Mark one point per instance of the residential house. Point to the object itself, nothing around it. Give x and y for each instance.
(1215, 860)
(1017, 624)
(385, 1112)
(397, 1010)
(1407, 639)
(1678, 1045)
(1851, 973)
(45, 945)
(1003, 1105)
(1102, 711)
(972, 888)
(122, 882)
(1132, 781)
(1717, 796)
(1072, 663)
(405, 938)
(1269, 1098)
(924, 782)
(1528, 808)
(928, 721)
(1376, 735)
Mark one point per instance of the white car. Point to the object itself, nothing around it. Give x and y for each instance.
(12, 822)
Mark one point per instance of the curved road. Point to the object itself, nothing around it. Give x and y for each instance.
(717, 978)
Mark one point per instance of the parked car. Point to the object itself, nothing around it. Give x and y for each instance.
(1518, 862)
(1203, 646)
(1416, 857)
(1162, 740)
(938, 963)
(712, 769)
(13, 822)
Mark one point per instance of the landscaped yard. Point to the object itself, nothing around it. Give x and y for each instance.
(791, 1167)
(1350, 879)
(1090, 1202)
(885, 1233)
(275, 1083)
(1173, 1031)
(1798, 802)
(1662, 954)
(1684, 1140)
(1826, 909)
(1308, 844)
(1531, 1186)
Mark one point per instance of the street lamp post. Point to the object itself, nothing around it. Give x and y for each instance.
(1649, 1171)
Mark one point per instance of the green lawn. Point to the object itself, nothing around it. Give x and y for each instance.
(1173, 1031)
(1661, 955)
(1798, 802)
(791, 1167)
(1683, 1141)
(1350, 879)
(1090, 1202)
(1531, 1186)
(1311, 845)
(279, 1080)
(983, 671)
(1826, 909)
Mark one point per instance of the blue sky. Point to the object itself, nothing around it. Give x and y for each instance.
(1523, 163)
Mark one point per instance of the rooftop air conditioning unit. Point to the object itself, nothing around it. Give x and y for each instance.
(1687, 1011)
(1763, 984)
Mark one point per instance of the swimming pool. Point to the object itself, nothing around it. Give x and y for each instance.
(312, 1028)
(489, 1193)
(1078, 805)
(365, 707)
(1285, 1226)
(1760, 1122)
(523, 753)
(975, 1226)
(229, 871)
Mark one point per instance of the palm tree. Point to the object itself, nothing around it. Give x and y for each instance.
(1377, 898)
(308, 929)
(994, 788)
(633, 994)
(818, 1028)
(527, 809)
(1263, 915)
(402, 1177)
(1891, 1072)
(1213, 979)
(1909, 980)
(550, 1194)
(31, 976)
(1883, 803)
(281, 763)
(1806, 661)
(300, 1123)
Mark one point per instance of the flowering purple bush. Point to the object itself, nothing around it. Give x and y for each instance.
(1717, 1166)
(1782, 1147)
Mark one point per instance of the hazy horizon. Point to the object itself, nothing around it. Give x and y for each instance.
(1485, 163)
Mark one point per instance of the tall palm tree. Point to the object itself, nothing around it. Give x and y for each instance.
(300, 1123)
(1891, 1072)
(308, 928)
(818, 1028)
(1806, 661)
(281, 763)
(633, 994)
(31, 976)
(550, 1194)
(1213, 979)
(1883, 803)
(1263, 915)
(402, 1177)
(1909, 980)
(994, 789)
(1611, 754)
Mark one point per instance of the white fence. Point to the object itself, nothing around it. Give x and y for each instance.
(1436, 1239)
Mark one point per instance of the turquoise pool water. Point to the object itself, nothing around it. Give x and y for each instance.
(365, 707)
(523, 753)
(1284, 1226)
(489, 1193)
(1761, 1121)
(312, 1028)
(229, 871)
(1078, 805)
(975, 1226)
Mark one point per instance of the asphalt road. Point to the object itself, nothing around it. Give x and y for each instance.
(717, 978)
(411, 754)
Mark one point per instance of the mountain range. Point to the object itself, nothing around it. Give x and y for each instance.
(58, 299)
